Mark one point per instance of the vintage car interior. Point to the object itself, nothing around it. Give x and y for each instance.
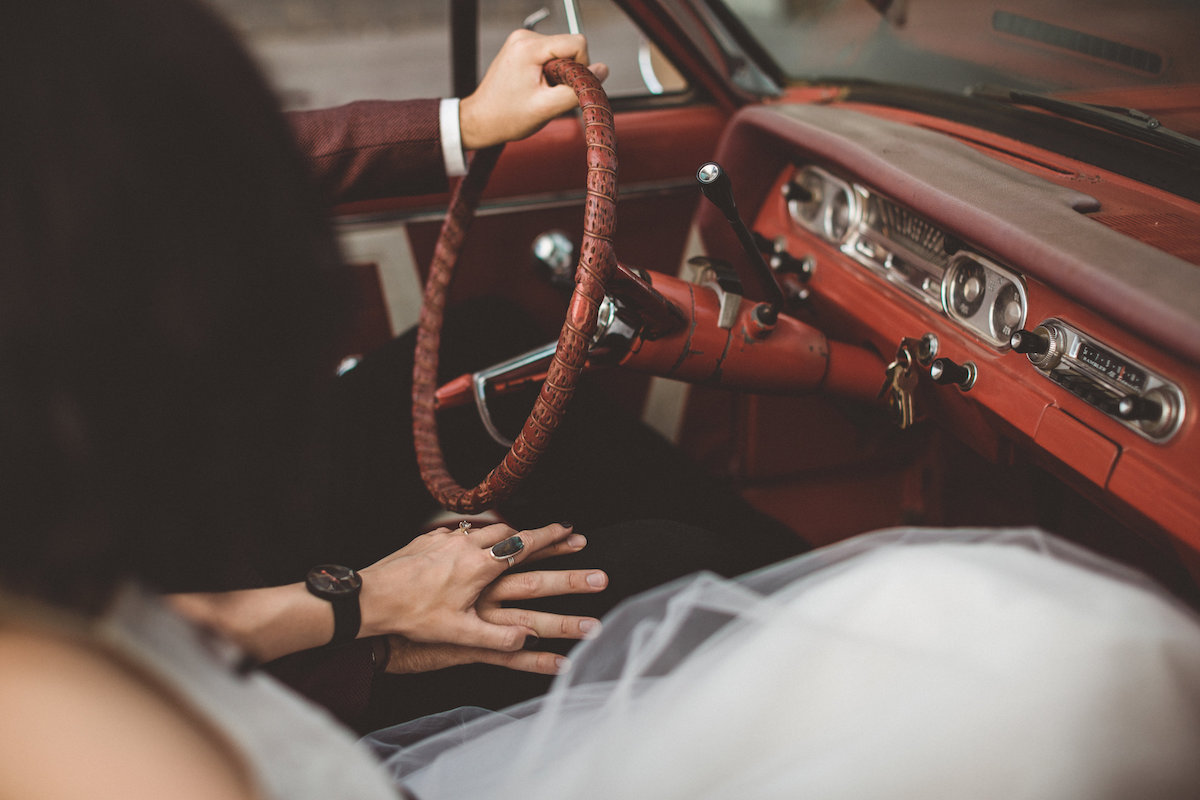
(877, 261)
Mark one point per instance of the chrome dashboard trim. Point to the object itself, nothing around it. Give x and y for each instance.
(912, 253)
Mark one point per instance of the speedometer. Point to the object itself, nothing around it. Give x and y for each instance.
(843, 209)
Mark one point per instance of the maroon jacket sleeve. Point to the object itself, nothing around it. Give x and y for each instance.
(373, 148)
(339, 678)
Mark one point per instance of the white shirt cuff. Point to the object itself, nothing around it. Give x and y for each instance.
(452, 149)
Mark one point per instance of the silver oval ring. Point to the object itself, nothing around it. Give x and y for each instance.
(505, 550)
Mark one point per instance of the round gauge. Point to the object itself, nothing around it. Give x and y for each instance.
(840, 215)
(965, 288)
(872, 216)
(1008, 312)
(805, 195)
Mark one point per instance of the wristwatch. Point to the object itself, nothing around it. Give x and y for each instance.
(340, 586)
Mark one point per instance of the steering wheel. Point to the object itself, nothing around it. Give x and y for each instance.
(597, 262)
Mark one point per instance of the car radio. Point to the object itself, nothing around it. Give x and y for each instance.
(1135, 396)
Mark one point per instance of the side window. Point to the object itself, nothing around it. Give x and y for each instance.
(320, 53)
(636, 67)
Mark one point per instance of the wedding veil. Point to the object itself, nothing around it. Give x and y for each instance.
(901, 664)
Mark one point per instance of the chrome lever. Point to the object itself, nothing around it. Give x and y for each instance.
(572, 11)
(481, 379)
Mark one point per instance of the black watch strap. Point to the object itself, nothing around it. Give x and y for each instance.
(340, 586)
(347, 619)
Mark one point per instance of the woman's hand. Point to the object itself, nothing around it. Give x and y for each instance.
(514, 99)
(407, 656)
(442, 589)
(430, 591)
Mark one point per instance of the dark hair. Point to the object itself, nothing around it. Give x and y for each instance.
(167, 285)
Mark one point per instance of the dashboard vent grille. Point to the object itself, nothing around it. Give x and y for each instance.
(1077, 41)
(1171, 233)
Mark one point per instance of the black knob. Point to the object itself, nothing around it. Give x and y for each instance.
(1134, 408)
(715, 184)
(787, 263)
(1029, 342)
(945, 371)
(766, 315)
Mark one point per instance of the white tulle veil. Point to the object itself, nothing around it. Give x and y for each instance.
(900, 664)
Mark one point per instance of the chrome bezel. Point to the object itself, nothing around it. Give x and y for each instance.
(821, 222)
(904, 248)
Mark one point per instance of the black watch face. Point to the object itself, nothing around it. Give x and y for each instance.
(332, 579)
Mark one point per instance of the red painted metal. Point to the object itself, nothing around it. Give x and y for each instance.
(1012, 408)
(789, 357)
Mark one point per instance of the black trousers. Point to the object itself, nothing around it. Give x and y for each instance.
(650, 514)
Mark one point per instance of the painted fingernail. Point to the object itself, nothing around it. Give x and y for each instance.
(597, 579)
(589, 628)
(531, 641)
(576, 540)
(567, 524)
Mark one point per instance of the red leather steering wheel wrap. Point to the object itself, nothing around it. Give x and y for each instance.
(597, 262)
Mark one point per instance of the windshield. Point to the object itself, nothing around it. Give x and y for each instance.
(1095, 50)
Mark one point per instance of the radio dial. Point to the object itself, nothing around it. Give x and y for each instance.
(1139, 409)
(1043, 345)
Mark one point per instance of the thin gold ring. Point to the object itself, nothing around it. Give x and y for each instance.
(464, 526)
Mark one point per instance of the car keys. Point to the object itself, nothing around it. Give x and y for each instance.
(899, 385)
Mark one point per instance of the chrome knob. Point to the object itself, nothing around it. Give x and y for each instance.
(945, 372)
(555, 253)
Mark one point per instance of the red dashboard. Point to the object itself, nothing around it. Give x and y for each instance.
(910, 225)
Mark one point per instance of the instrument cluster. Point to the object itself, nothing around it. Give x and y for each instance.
(910, 252)
(981, 296)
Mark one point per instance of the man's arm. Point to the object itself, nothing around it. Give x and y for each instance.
(382, 148)
(373, 148)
